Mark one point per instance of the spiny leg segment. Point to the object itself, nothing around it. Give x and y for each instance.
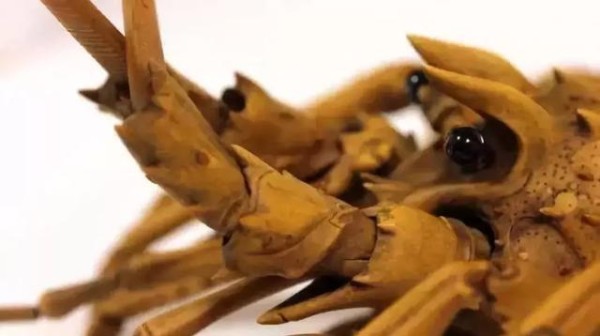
(144, 272)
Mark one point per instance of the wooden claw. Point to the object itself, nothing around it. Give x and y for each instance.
(191, 318)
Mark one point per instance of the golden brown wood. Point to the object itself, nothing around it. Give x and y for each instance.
(144, 271)
(516, 240)
(190, 318)
(442, 294)
(94, 32)
(163, 217)
(382, 90)
(143, 48)
(18, 313)
(128, 303)
(572, 310)
(166, 216)
(591, 120)
(469, 61)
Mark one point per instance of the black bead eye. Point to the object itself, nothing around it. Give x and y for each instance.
(414, 82)
(234, 100)
(467, 147)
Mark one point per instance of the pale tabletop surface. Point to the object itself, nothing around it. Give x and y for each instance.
(69, 188)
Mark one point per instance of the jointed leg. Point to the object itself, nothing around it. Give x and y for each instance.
(111, 313)
(190, 318)
(165, 216)
(127, 303)
(572, 310)
(145, 271)
(430, 307)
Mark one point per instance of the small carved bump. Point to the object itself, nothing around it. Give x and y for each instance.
(201, 158)
(564, 204)
(589, 122)
(387, 228)
(507, 272)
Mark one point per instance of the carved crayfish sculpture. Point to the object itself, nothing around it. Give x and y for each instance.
(493, 229)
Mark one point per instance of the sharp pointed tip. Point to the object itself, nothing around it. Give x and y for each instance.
(248, 159)
(451, 82)
(411, 37)
(422, 43)
(559, 75)
(90, 94)
(590, 121)
(241, 78)
(246, 84)
(416, 37)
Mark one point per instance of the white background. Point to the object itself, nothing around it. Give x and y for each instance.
(68, 187)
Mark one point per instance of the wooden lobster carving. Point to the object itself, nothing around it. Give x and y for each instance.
(493, 229)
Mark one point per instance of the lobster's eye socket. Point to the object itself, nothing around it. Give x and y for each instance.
(234, 100)
(467, 147)
(414, 82)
